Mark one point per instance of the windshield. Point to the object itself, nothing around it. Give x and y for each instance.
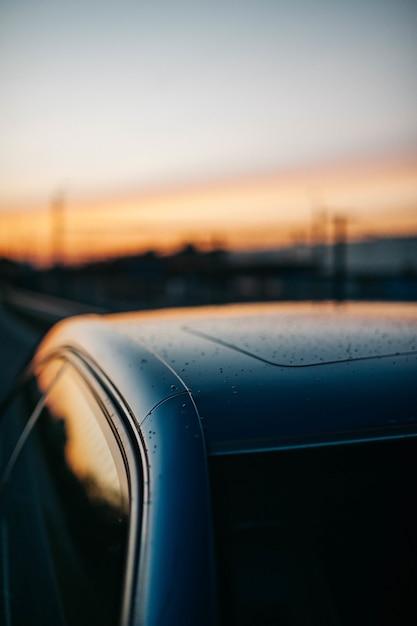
(317, 536)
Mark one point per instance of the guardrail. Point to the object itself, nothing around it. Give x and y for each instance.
(43, 310)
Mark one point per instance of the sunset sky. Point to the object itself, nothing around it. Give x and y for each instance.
(154, 123)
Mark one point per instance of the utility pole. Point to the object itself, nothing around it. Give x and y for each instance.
(339, 257)
(58, 228)
(318, 237)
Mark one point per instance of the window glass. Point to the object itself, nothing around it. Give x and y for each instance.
(64, 514)
(318, 536)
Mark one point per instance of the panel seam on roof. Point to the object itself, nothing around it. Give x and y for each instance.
(226, 344)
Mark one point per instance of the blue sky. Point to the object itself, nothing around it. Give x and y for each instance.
(99, 97)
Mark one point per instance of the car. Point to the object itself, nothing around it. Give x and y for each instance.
(234, 465)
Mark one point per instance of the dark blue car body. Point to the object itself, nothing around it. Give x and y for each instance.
(267, 454)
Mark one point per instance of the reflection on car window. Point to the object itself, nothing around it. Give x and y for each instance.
(64, 514)
(18, 408)
(73, 419)
(320, 536)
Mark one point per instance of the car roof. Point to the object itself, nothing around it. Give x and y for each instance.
(262, 376)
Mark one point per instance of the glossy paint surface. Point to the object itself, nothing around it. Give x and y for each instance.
(262, 375)
(176, 572)
(307, 374)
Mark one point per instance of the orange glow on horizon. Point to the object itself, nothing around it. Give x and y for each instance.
(257, 212)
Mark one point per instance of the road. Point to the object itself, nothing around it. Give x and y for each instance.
(17, 342)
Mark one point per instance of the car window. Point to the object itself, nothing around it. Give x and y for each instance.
(318, 536)
(64, 514)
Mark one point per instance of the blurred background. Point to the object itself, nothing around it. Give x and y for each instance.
(170, 153)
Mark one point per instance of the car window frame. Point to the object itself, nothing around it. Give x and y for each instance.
(124, 443)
